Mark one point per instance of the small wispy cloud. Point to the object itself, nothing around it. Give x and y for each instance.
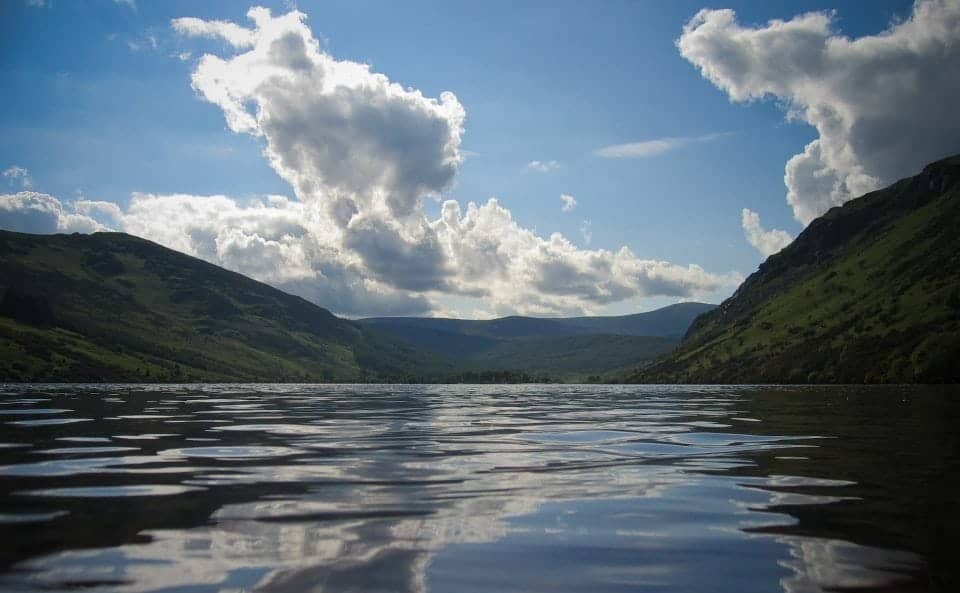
(237, 36)
(147, 42)
(650, 148)
(569, 202)
(16, 174)
(131, 3)
(37, 3)
(586, 231)
(543, 166)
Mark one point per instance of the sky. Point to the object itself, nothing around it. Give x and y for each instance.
(469, 159)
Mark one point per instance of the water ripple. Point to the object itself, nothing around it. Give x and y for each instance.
(289, 488)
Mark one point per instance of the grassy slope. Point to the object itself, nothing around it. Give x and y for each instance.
(126, 309)
(870, 292)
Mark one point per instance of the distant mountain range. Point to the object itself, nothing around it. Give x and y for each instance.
(112, 307)
(868, 293)
(572, 348)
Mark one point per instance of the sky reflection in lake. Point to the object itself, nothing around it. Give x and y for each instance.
(479, 488)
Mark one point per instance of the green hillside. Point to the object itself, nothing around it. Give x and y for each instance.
(110, 306)
(869, 292)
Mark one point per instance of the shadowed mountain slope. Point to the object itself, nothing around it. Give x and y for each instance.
(110, 306)
(869, 292)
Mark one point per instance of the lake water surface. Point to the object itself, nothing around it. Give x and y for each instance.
(478, 488)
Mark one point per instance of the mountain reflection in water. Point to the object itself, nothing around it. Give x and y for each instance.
(478, 488)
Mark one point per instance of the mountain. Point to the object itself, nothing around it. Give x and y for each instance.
(869, 292)
(670, 321)
(113, 307)
(573, 348)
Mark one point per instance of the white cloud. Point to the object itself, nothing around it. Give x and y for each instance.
(543, 166)
(286, 243)
(34, 212)
(764, 241)
(361, 152)
(515, 271)
(237, 36)
(568, 202)
(37, 3)
(651, 148)
(130, 3)
(883, 105)
(16, 174)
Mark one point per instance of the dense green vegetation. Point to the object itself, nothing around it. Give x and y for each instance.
(111, 307)
(869, 292)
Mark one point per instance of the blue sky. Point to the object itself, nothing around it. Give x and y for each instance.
(99, 105)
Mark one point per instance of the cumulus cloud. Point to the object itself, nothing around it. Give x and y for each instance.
(883, 105)
(651, 148)
(275, 240)
(285, 242)
(33, 212)
(361, 153)
(764, 241)
(15, 174)
(568, 202)
(543, 166)
(514, 270)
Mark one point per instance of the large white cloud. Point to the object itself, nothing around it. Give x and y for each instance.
(361, 152)
(883, 105)
(34, 212)
(275, 240)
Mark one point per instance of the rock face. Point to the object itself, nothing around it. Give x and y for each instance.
(867, 293)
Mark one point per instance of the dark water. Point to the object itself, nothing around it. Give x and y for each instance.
(468, 488)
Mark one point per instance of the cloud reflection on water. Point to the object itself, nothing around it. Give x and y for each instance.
(413, 489)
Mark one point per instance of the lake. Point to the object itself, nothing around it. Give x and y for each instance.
(407, 488)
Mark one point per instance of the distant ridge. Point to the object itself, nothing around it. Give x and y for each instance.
(669, 321)
(573, 348)
(868, 293)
